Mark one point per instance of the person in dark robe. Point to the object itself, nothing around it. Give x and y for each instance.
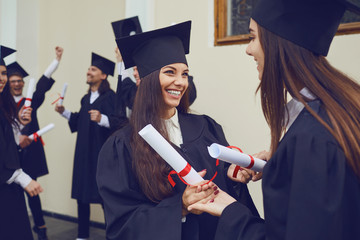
(33, 160)
(310, 183)
(126, 86)
(14, 220)
(139, 201)
(93, 126)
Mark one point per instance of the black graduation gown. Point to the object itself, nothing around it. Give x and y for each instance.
(309, 190)
(118, 119)
(14, 220)
(128, 92)
(130, 214)
(89, 141)
(33, 159)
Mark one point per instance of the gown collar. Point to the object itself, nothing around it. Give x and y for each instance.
(294, 106)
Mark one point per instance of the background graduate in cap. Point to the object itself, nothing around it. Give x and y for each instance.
(126, 86)
(93, 125)
(311, 184)
(33, 159)
(139, 201)
(14, 220)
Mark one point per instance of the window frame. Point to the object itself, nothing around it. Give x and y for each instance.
(220, 23)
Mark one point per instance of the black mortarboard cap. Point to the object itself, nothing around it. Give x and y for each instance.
(126, 27)
(105, 65)
(311, 24)
(15, 69)
(4, 52)
(152, 50)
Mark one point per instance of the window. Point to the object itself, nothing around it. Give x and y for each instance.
(232, 21)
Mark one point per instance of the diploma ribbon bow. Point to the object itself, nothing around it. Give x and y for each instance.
(60, 97)
(185, 172)
(36, 137)
(237, 168)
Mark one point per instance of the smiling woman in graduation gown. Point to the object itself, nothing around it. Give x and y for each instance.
(131, 215)
(14, 220)
(135, 207)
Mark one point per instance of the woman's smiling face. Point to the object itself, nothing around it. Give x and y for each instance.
(173, 82)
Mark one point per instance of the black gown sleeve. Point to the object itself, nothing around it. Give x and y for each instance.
(5, 171)
(43, 85)
(128, 92)
(310, 205)
(9, 160)
(74, 118)
(127, 210)
(118, 119)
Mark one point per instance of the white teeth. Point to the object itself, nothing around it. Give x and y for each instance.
(173, 92)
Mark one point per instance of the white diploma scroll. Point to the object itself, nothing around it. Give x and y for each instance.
(168, 153)
(63, 94)
(30, 92)
(42, 131)
(233, 156)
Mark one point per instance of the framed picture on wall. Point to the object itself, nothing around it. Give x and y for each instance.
(232, 21)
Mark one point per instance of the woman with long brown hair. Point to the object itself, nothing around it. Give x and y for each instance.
(311, 184)
(14, 220)
(139, 201)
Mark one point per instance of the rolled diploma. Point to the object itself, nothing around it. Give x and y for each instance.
(168, 153)
(232, 156)
(63, 94)
(43, 130)
(30, 92)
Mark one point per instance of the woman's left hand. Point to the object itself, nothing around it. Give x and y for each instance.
(244, 175)
(25, 115)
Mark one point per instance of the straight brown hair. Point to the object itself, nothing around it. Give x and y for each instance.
(150, 169)
(287, 66)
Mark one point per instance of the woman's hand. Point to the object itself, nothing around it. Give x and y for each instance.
(193, 194)
(25, 115)
(243, 175)
(213, 204)
(33, 188)
(264, 155)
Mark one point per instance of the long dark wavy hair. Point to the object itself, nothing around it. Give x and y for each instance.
(149, 105)
(287, 66)
(8, 106)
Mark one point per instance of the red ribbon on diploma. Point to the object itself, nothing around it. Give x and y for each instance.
(60, 97)
(237, 168)
(185, 172)
(19, 102)
(36, 137)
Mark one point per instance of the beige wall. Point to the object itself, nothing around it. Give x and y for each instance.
(225, 77)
